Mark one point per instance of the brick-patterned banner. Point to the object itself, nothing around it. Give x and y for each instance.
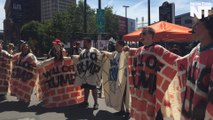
(195, 76)
(5, 71)
(24, 76)
(151, 69)
(89, 67)
(171, 106)
(115, 80)
(55, 84)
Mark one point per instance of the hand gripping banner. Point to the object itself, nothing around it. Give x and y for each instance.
(55, 84)
(24, 76)
(115, 80)
(5, 71)
(151, 71)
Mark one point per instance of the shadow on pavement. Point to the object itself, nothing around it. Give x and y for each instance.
(74, 112)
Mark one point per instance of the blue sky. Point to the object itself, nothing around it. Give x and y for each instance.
(138, 8)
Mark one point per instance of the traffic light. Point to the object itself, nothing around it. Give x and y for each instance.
(167, 12)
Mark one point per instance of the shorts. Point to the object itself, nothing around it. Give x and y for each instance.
(91, 87)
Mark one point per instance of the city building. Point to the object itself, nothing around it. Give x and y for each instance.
(18, 13)
(184, 20)
(50, 7)
(131, 25)
(1, 34)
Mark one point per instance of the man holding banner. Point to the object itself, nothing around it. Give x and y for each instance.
(151, 69)
(89, 69)
(5, 70)
(115, 83)
(195, 72)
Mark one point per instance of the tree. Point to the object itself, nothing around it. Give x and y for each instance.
(37, 35)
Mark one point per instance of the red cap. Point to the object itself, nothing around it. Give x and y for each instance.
(57, 41)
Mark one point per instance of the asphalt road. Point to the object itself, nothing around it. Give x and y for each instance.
(11, 109)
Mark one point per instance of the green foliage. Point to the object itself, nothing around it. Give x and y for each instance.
(68, 26)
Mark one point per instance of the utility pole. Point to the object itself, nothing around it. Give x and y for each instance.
(149, 12)
(125, 6)
(85, 16)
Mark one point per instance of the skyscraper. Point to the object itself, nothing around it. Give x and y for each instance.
(51, 7)
(18, 13)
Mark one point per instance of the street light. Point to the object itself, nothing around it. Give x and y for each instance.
(126, 6)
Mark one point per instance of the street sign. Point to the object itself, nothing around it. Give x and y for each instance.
(100, 20)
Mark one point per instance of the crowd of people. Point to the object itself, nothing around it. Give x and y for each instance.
(194, 70)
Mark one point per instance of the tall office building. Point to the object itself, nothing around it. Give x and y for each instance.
(18, 13)
(51, 7)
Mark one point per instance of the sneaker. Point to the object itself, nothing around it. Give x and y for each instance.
(95, 107)
(85, 104)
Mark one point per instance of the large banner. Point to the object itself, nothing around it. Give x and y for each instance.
(24, 76)
(5, 71)
(195, 74)
(151, 71)
(115, 81)
(89, 67)
(55, 84)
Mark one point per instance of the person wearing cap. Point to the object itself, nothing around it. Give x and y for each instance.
(57, 45)
(4, 61)
(195, 72)
(149, 62)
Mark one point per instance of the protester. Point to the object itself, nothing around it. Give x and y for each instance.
(76, 49)
(196, 74)
(116, 88)
(24, 74)
(11, 48)
(89, 71)
(5, 71)
(57, 44)
(148, 76)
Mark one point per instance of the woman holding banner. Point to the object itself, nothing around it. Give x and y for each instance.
(151, 69)
(195, 72)
(24, 73)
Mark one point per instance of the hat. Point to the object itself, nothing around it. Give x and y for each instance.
(57, 41)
